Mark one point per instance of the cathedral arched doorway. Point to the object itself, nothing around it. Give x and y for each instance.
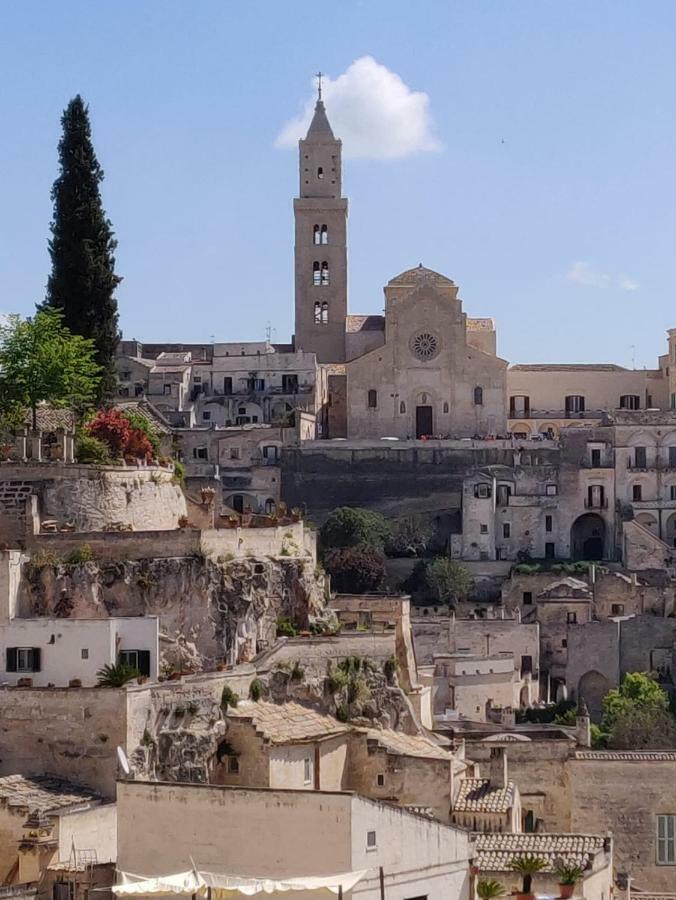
(423, 422)
(587, 537)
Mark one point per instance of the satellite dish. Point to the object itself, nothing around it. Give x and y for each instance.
(123, 761)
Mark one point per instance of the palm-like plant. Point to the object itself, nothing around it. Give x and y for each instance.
(527, 866)
(116, 675)
(568, 874)
(488, 890)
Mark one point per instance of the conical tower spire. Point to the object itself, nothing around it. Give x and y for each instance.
(319, 126)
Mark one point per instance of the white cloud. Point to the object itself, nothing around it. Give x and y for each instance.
(373, 111)
(584, 273)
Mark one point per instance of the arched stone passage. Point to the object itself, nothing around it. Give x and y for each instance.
(593, 687)
(670, 530)
(587, 537)
(648, 521)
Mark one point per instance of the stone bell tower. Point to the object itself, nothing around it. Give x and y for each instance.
(320, 214)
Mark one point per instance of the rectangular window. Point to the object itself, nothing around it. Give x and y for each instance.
(371, 840)
(630, 401)
(482, 491)
(504, 493)
(571, 618)
(23, 659)
(564, 643)
(290, 384)
(271, 452)
(574, 404)
(233, 765)
(166, 389)
(200, 453)
(596, 457)
(84, 653)
(197, 379)
(506, 530)
(307, 770)
(550, 551)
(381, 780)
(551, 490)
(235, 453)
(672, 457)
(526, 665)
(137, 659)
(672, 492)
(636, 492)
(527, 598)
(548, 523)
(519, 406)
(227, 385)
(666, 840)
(617, 609)
(640, 457)
(483, 529)
(206, 416)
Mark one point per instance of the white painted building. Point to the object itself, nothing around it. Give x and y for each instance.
(56, 651)
(280, 834)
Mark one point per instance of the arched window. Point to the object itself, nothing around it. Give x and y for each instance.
(324, 235)
(270, 507)
(316, 235)
(372, 399)
(402, 407)
(316, 273)
(446, 406)
(318, 312)
(324, 273)
(478, 396)
(320, 172)
(325, 314)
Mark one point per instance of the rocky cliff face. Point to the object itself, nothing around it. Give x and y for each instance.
(209, 611)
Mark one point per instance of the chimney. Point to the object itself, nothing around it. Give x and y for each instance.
(497, 767)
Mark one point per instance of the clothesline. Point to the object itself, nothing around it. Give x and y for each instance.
(201, 883)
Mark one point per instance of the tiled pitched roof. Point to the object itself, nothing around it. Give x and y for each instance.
(478, 795)
(628, 755)
(408, 744)
(49, 419)
(286, 722)
(354, 324)
(495, 852)
(42, 792)
(145, 409)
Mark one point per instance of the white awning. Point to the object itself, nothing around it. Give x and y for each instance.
(200, 882)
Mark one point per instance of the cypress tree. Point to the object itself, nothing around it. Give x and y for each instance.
(83, 281)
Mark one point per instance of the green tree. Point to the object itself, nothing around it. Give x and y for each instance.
(350, 526)
(636, 690)
(355, 569)
(82, 282)
(40, 360)
(448, 581)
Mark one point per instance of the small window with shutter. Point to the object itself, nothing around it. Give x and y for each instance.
(23, 659)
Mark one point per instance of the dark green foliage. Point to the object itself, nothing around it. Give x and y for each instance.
(255, 690)
(547, 713)
(179, 471)
(116, 675)
(286, 628)
(228, 698)
(440, 580)
(83, 554)
(82, 282)
(89, 449)
(355, 569)
(350, 526)
(527, 866)
(343, 712)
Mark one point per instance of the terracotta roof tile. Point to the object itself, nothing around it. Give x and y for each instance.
(628, 755)
(495, 852)
(408, 744)
(478, 795)
(43, 792)
(286, 722)
(49, 419)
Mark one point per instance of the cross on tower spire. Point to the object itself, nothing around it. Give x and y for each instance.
(319, 77)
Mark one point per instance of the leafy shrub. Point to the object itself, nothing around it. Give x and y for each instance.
(228, 698)
(343, 712)
(179, 471)
(114, 429)
(90, 450)
(83, 554)
(141, 423)
(255, 690)
(286, 628)
(355, 569)
(350, 526)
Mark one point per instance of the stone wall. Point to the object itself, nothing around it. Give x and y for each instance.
(623, 793)
(90, 498)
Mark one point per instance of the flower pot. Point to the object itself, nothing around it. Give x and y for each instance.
(521, 896)
(75, 683)
(566, 891)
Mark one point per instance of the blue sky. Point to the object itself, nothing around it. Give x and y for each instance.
(544, 185)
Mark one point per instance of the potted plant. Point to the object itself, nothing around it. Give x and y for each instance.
(568, 877)
(526, 867)
(488, 890)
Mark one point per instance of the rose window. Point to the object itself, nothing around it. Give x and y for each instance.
(425, 346)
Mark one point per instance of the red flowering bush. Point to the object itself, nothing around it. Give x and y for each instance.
(124, 441)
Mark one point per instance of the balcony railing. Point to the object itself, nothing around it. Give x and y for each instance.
(556, 414)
